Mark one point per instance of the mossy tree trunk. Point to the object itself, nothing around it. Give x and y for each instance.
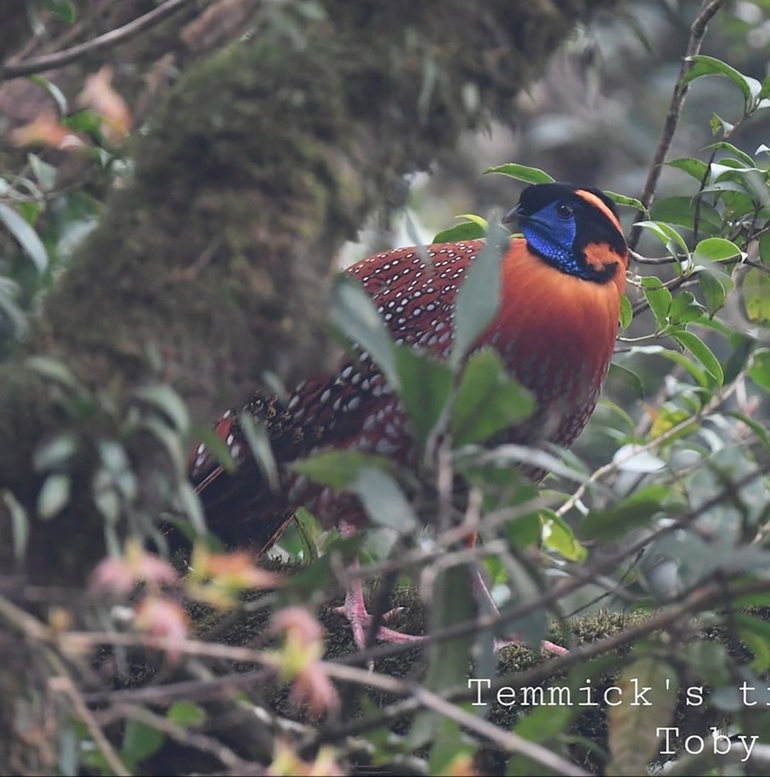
(209, 269)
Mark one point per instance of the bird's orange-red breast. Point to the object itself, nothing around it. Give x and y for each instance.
(555, 330)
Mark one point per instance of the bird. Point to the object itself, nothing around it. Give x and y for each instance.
(562, 279)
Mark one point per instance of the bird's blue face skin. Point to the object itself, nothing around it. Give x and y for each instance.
(560, 222)
(551, 232)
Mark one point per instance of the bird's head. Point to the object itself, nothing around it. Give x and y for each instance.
(574, 229)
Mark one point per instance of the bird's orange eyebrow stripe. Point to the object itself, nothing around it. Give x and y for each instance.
(597, 203)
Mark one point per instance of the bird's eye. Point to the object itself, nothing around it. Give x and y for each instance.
(564, 211)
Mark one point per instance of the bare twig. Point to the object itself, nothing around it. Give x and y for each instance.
(112, 38)
(698, 29)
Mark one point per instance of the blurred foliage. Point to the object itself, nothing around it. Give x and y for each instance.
(660, 510)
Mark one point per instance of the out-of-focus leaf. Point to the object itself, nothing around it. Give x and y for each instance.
(55, 453)
(453, 602)
(666, 418)
(759, 371)
(524, 532)
(478, 298)
(635, 510)
(487, 399)
(633, 735)
(384, 501)
(44, 173)
(64, 9)
(140, 741)
(187, 714)
(630, 459)
(190, 505)
(468, 230)
(522, 173)
(27, 238)
(756, 296)
(337, 468)
(215, 446)
(19, 523)
(425, 388)
(355, 315)
(259, 443)
(54, 495)
(165, 399)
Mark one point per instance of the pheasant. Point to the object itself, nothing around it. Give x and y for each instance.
(555, 330)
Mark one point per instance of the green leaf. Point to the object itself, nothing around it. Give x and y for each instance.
(190, 505)
(626, 313)
(693, 167)
(558, 535)
(55, 453)
(478, 298)
(658, 298)
(214, 445)
(521, 173)
(715, 249)
(27, 238)
(384, 501)
(682, 211)
(259, 442)
(756, 295)
(671, 239)
(337, 469)
(674, 355)
(487, 400)
(702, 353)
(44, 172)
(703, 65)
(186, 714)
(759, 371)
(54, 495)
(64, 9)
(633, 739)
(54, 92)
(626, 201)
(165, 399)
(140, 741)
(714, 293)
(635, 510)
(453, 602)
(355, 315)
(426, 385)
(524, 532)
(468, 230)
(169, 440)
(739, 155)
(546, 721)
(19, 524)
(685, 308)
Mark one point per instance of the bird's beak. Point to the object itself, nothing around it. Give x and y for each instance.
(513, 215)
